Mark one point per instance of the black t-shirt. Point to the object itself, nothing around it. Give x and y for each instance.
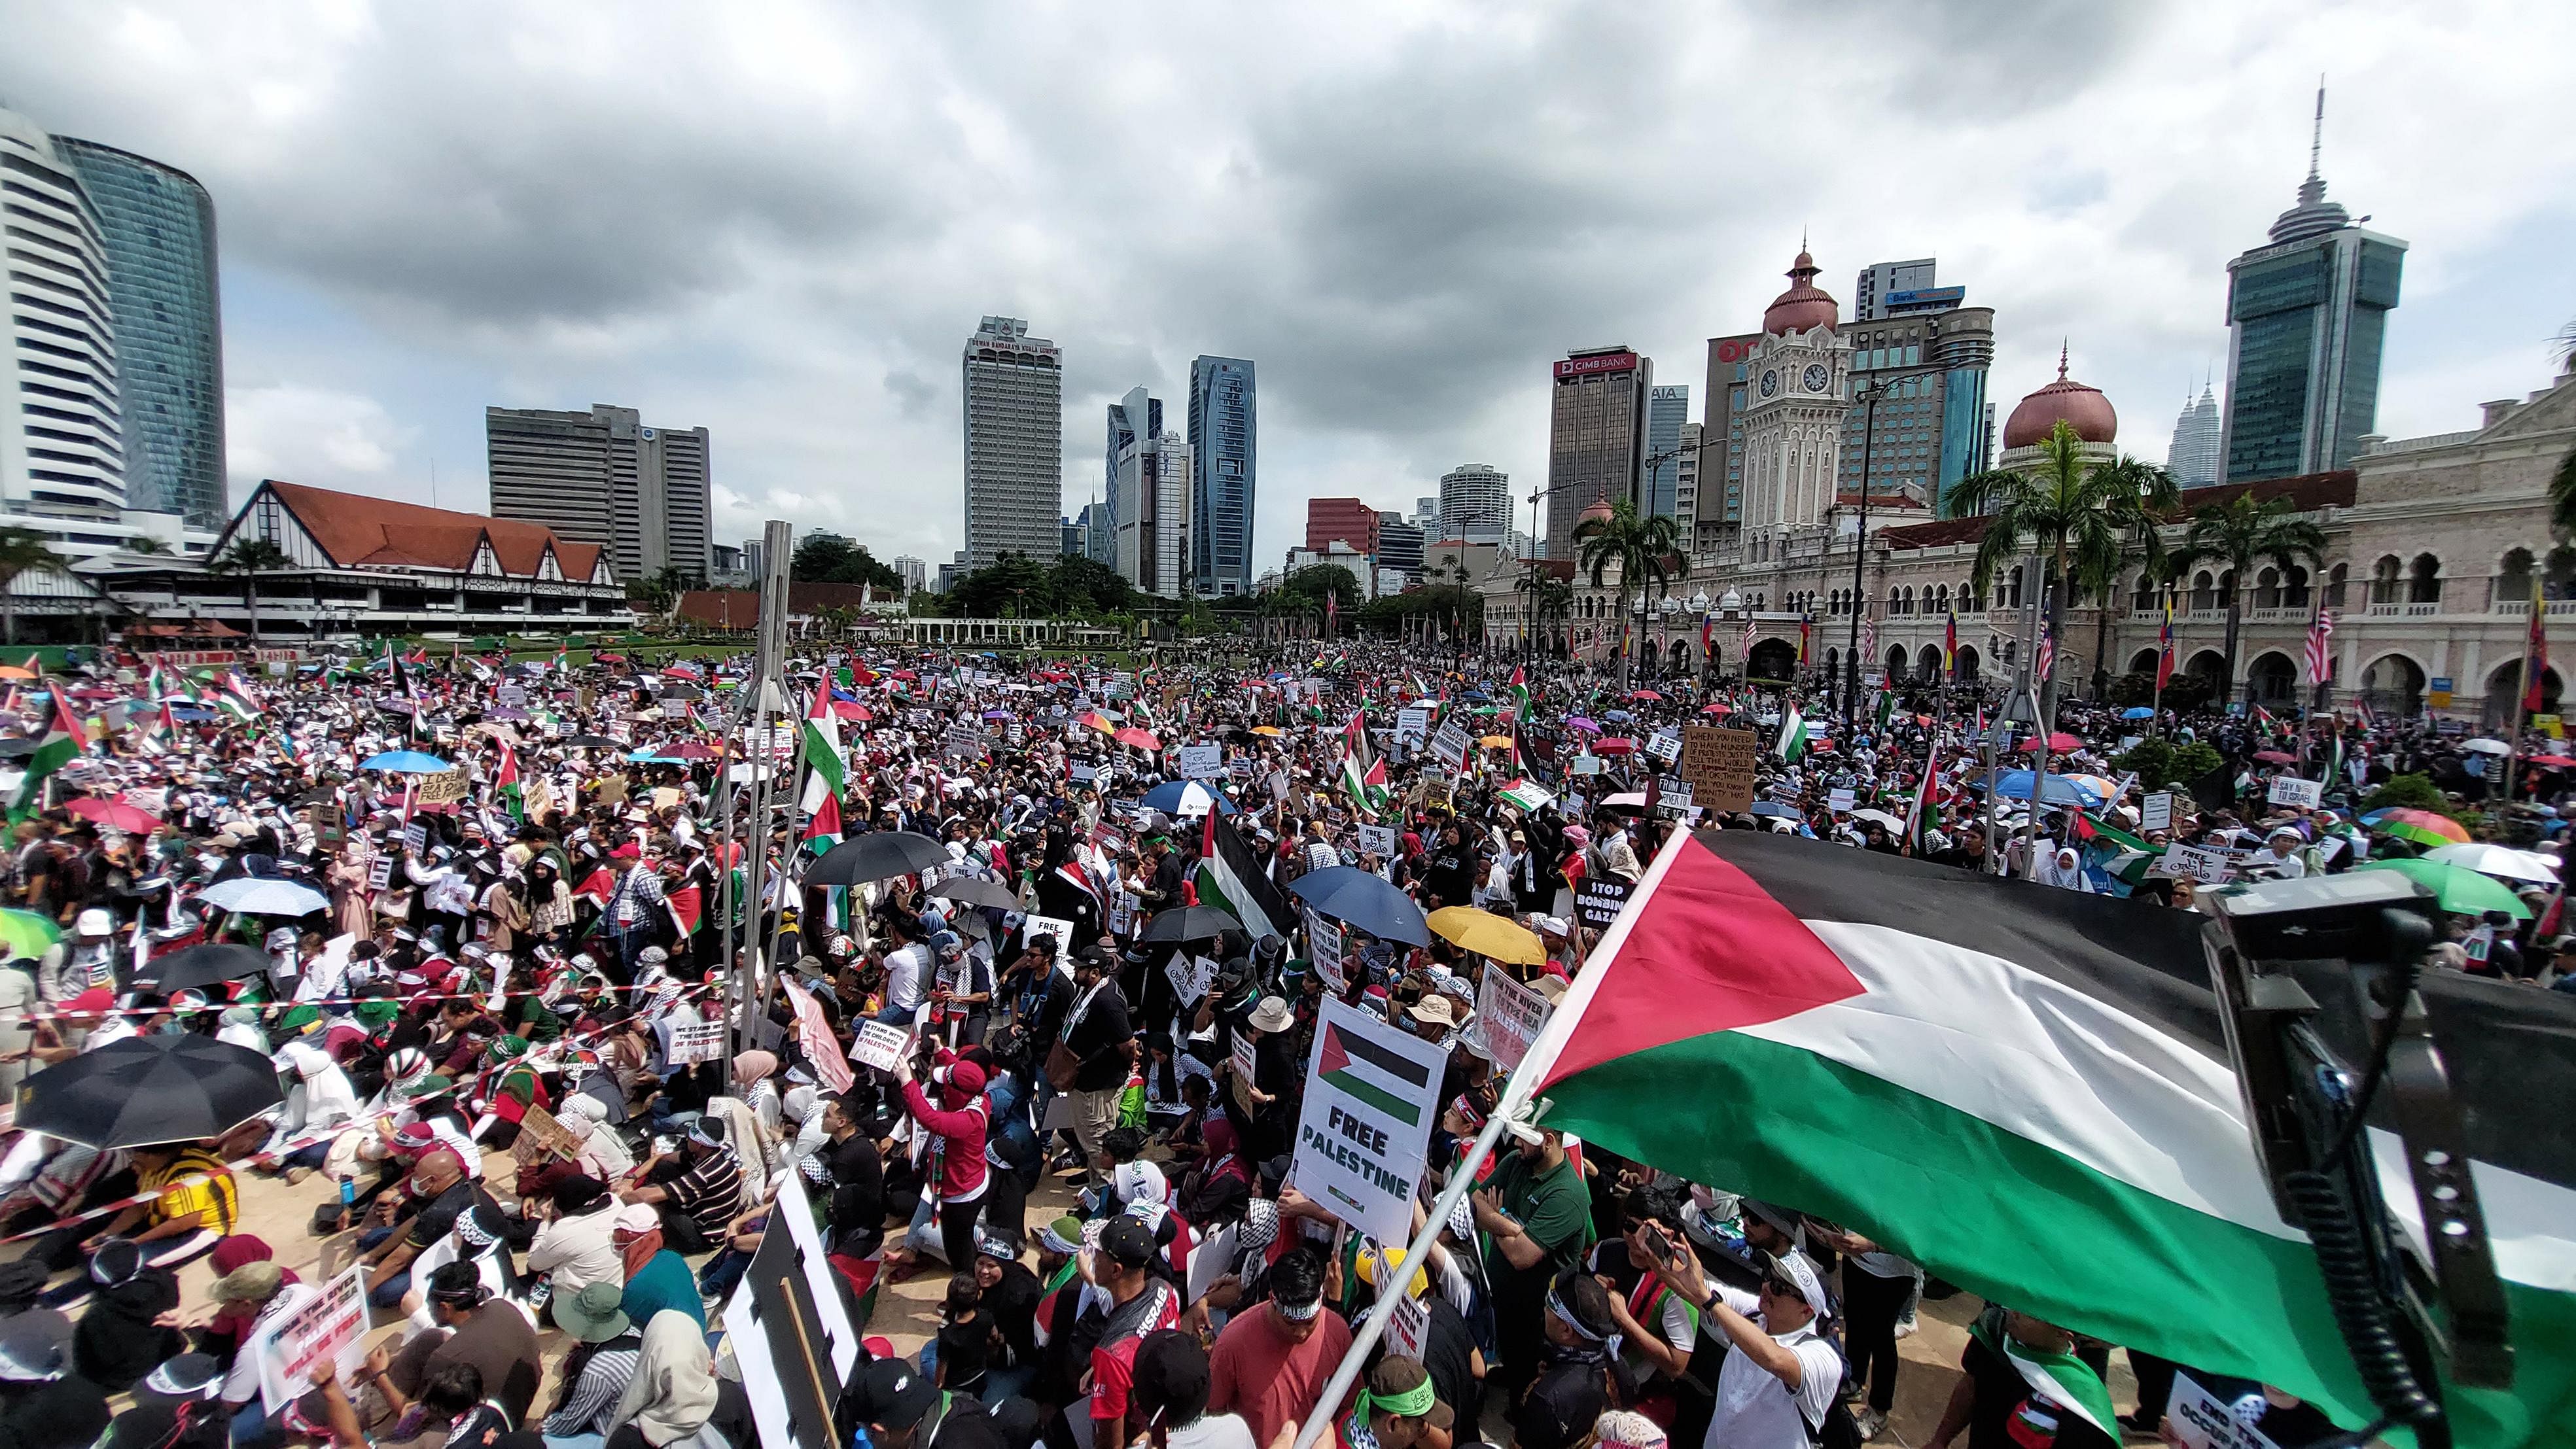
(1012, 1304)
(858, 1192)
(1100, 1039)
(2000, 1393)
(439, 1215)
(964, 1349)
(964, 1425)
(1448, 1355)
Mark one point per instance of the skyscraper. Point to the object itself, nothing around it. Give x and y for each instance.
(1879, 281)
(1153, 496)
(1137, 415)
(1014, 443)
(2306, 317)
(1475, 503)
(1667, 408)
(1686, 482)
(1399, 545)
(1426, 516)
(1721, 482)
(159, 226)
(62, 446)
(1596, 436)
(1224, 447)
(1929, 428)
(604, 477)
(2193, 457)
(1347, 520)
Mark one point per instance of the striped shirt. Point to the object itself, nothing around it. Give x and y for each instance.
(195, 1181)
(603, 1379)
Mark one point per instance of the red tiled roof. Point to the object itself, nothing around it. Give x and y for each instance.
(2310, 491)
(358, 531)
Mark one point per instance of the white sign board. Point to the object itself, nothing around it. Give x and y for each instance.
(2200, 1421)
(1451, 744)
(329, 1327)
(1246, 1068)
(1190, 977)
(1412, 726)
(1665, 746)
(2190, 862)
(1380, 841)
(1200, 762)
(843, 1336)
(696, 1041)
(1511, 1016)
(1840, 801)
(1324, 950)
(1084, 774)
(2157, 811)
(1408, 1324)
(2291, 790)
(1372, 1093)
(1033, 927)
(880, 1045)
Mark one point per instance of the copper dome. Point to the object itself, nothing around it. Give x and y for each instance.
(1805, 306)
(2083, 408)
(1598, 511)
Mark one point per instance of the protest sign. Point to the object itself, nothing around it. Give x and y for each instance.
(1841, 801)
(327, 1328)
(2199, 1420)
(2190, 862)
(1200, 762)
(1380, 841)
(797, 1210)
(447, 787)
(1122, 915)
(1719, 764)
(880, 1046)
(1600, 900)
(1246, 1067)
(1085, 774)
(2156, 813)
(1451, 744)
(1407, 1325)
(541, 1135)
(2293, 791)
(1324, 949)
(814, 1034)
(696, 1041)
(1190, 976)
(782, 1348)
(415, 837)
(1512, 1016)
(1664, 745)
(1372, 1093)
(1033, 927)
(1412, 726)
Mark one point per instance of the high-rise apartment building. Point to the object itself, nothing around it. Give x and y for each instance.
(1721, 502)
(1426, 516)
(914, 572)
(2193, 457)
(63, 448)
(605, 477)
(1137, 415)
(1667, 408)
(1596, 436)
(1399, 545)
(1686, 481)
(2307, 315)
(1346, 520)
(1153, 496)
(1225, 438)
(1931, 356)
(1880, 281)
(1014, 443)
(1475, 503)
(159, 226)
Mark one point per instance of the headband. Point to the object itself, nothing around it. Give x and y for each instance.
(1413, 1403)
(1565, 1315)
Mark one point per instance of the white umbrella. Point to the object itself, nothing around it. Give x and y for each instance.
(2487, 747)
(2498, 860)
(252, 895)
(1879, 817)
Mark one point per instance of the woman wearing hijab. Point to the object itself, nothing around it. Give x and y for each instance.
(672, 1397)
(509, 1087)
(603, 1154)
(117, 1341)
(751, 1084)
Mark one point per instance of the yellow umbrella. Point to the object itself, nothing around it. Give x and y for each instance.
(1272, 730)
(1488, 935)
(1496, 742)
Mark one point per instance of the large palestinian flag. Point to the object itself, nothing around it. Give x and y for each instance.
(2025, 1090)
(1229, 876)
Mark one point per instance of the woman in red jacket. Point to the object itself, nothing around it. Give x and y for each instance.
(957, 1126)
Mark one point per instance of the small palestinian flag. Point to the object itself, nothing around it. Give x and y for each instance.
(60, 746)
(2027, 1091)
(1792, 744)
(505, 784)
(1527, 794)
(1390, 1082)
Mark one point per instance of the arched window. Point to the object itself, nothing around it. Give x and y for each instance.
(2294, 588)
(1945, 598)
(1893, 593)
(2512, 582)
(2387, 581)
(2204, 592)
(2424, 580)
(2143, 598)
(2336, 578)
(2267, 589)
(2558, 577)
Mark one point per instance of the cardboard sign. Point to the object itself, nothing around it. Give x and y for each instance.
(1451, 744)
(2157, 811)
(542, 1136)
(1407, 1325)
(2190, 862)
(1372, 1096)
(880, 1046)
(330, 1327)
(1380, 841)
(2291, 790)
(1324, 950)
(1200, 762)
(1246, 1067)
(696, 1041)
(1719, 764)
(1599, 901)
(1512, 1016)
(447, 787)
(2200, 1421)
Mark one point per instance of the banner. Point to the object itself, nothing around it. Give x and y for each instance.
(329, 1327)
(1372, 1094)
(1509, 1017)
(1200, 762)
(696, 1041)
(1719, 763)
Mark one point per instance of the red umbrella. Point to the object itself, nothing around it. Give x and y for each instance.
(114, 813)
(2059, 742)
(1141, 739)
(846, 710)
(608, 659)
(1643, 694)
(1717, 709)
(689, 750)
(1614, 746)
(906, 675)
(2276, 757)
(2554, 762)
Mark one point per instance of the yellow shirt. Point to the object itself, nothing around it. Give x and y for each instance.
(196, 1181)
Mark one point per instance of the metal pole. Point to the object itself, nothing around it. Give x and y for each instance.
(769, 649)
(1860, 552)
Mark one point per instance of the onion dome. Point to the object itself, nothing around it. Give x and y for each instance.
(1599, 511)
(1805, 306)
(2064, 401)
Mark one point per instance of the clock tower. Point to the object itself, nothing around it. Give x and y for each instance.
(1797, 389)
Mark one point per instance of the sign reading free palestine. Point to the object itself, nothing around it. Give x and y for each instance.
(1372, 1094)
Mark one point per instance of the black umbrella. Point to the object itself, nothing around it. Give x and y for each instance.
(877, 855)
(148, 1089)
(976, 892)
(201, 966)
(20, 747)
(1189, 923)
(594, 742)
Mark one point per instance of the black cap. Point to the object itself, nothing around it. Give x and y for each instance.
(1127, 1242)
(893, 1393)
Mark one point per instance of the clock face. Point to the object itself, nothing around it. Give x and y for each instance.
(1816, 377)
(1770, 383)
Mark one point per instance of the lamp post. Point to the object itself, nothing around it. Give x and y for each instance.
(1867, 392)
(1538, 540)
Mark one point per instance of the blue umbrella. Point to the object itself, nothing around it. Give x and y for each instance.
(406, 762)
(191, 712)
(2060, 790)
(1774, 807)
(1168, 798)
(1363, 899)
(2137, 711)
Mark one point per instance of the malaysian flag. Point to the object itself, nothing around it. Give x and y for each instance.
(2320, 629)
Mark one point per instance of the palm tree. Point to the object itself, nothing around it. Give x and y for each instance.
(21, 550)
(1647, 551)
(249, 558)
(2239, 533)
(2069, 512)
(2100, 577)
(1555, 601)
(144, 545)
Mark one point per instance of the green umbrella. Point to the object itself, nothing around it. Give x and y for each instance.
(2457, 889)
(28, 933)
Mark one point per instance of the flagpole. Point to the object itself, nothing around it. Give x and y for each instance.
(2522, 690)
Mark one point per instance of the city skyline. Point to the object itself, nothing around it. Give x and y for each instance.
(810, 321)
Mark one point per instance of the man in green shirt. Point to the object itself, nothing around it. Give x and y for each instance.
(1536, 1214)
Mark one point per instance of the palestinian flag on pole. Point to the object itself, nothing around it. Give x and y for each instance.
(1363, 776)
(2026, 1091)
(1520, 714)
(60, 746)
(1229, 876)
(505, 785)
(1792, 744)
(1919, 815)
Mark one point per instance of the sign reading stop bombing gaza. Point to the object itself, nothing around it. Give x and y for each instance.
(1372, 1094)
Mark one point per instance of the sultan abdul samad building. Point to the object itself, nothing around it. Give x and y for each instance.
(2432, 543)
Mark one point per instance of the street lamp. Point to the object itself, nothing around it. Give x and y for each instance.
(1867, 392)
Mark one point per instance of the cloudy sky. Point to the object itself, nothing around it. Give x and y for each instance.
(781, 220)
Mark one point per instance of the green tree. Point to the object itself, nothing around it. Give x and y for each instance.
(21, 550)
(144, 545)
(823, 559)
(1646, 550)
(2099, 576)
(1013, 583)
(2067, 511)
(2408, 792)
(2238, 534)
(247, 559)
